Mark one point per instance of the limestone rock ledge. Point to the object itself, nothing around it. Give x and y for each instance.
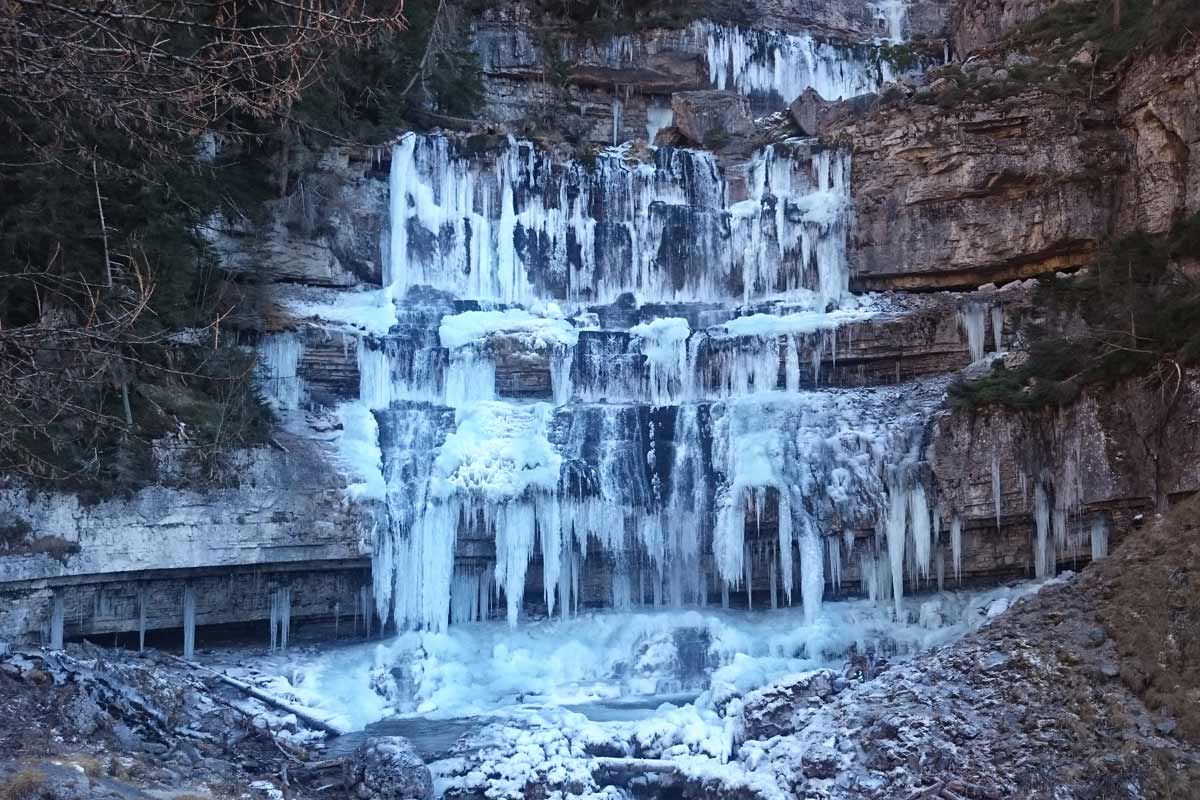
(960, 197)
(286, 522)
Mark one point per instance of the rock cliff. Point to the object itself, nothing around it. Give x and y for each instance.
(972, 174)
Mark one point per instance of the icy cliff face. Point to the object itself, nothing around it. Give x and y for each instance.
(602, 383)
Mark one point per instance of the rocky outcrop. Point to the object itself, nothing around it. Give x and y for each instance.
(387, 767)
(708, 117)
(1160, 117)
(542, 75)
(1115, 452)
(125, 562)
(980, 24)
(326, 232)
(980, 192)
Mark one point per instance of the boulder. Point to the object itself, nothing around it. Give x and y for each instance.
(1019, 60)
(712, 117)
(814, 114)
(772, 710)
(807, 111)
(388, 768)
(943, 87)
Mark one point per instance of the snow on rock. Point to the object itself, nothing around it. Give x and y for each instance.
(387, 767)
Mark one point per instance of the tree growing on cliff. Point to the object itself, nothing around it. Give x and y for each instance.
(105, 187)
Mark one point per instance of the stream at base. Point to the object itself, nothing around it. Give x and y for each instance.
(666, 681)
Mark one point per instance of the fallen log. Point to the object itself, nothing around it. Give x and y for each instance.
(609, 768)
(258, 694)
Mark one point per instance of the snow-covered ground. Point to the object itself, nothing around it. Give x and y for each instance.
(547, 697)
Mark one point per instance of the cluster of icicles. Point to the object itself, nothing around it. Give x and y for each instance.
(561, 486)
(663, 362)
(521, 226)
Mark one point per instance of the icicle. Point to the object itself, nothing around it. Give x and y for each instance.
(658, 116)
(494, 233)
(868, 580)
(281, 617)
(1042, 568)
(280, 367)
(562, 359)
(189, 622)
(998, 328)
(664, 344)
(470, 377)
(896, 532)
(996, 485)
(57, 621)
(918, 514)
(956, 546)
(142, 593)
(768, 63)
(812, 574)
(1099, 539)
(973, 319)
(834, 545)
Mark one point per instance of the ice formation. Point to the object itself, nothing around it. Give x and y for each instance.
(973, 319)
(521, 225)
(280, 377)
(681, 457)
(778, 67)
(584, 662)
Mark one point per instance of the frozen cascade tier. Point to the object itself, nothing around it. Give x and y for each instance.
(519, 224)
(629, 505)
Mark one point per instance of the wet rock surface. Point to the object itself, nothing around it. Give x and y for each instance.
(388, 768)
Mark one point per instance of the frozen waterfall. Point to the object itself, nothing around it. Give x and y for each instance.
(777, 67)
(537, 452)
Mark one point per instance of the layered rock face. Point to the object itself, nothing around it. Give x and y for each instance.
(541, 74)
(130, 563)
(981, 176)
(985, 193)
(1159, 120)
(1071, 476)
(979, 24)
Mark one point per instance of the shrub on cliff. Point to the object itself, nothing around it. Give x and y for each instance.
(110, 112)
(1131, 314)
(1156, 25)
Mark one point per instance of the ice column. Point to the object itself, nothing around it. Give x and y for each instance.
(57, 619)
(281, 354)
(973, 319)
(281, 617)
(189, 622)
